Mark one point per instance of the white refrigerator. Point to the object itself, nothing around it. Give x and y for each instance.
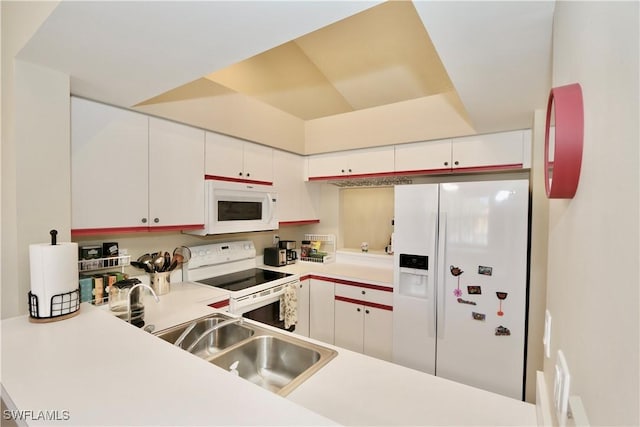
(460, 281)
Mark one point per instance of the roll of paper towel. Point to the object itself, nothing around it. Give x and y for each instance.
(54, 271)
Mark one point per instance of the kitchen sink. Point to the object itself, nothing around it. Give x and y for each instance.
(272, 360)
(213, 343)
(274, 363)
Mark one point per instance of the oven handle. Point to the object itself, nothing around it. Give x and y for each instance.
(249, 302)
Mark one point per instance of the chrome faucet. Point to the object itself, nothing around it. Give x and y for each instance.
(213, 329)
(184, 334)
(129, 297)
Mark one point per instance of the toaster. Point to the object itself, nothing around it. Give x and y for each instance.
(275, 257)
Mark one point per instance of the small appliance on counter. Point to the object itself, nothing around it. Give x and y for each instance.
(290, 247)
(55, 293)
(275, 257)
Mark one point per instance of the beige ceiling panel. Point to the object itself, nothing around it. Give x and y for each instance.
(421, 119)
(380, 56)
(284, 78)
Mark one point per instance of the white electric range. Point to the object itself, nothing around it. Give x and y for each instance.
(254, 292)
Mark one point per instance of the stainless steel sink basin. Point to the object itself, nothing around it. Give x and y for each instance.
(215, 342)
(274, 363)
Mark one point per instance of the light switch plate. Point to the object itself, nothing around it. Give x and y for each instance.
(546, 340)
(561, 383)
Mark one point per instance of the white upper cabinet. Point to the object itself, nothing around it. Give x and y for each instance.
(237, 160)
(297, 199)
(109, 166)
(130, 172)
(496, 150)
(366, 161)
(426, 156)
(176, 174)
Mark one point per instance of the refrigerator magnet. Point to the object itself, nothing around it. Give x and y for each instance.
(474, 290)
(502, 331)
(478, 316)
(501, 296)
(456, 272)
(485, 271)
(464, 301)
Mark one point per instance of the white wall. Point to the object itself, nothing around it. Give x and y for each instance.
(592, 290)
(35, 165)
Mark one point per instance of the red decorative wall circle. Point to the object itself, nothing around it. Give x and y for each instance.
(563, 172)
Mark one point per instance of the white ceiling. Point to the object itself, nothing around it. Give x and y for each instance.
(496, 54)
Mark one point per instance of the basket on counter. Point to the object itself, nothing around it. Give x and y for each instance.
(319, 248)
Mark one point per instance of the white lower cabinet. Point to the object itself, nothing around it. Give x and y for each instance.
(321, 310)
(364, 329)
(302, 327)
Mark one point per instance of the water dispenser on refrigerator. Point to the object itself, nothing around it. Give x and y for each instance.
(413, 275)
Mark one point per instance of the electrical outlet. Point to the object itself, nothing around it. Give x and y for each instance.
(276, 239)
(561, 383)
(546, 340)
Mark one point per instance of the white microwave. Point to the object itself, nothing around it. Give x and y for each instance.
(232, 207)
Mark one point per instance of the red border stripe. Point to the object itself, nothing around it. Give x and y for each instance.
(365, 303)
(348, 282)
(127, 230)
(241, 180)
(220, 304)
(300, 222)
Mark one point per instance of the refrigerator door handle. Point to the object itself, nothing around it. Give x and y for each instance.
(441, 275)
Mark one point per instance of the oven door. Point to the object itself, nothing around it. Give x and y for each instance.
(263, 307)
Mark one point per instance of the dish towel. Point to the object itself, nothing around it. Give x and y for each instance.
(289, 305)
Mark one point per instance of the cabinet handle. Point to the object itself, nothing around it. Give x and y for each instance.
(364, 292)
(446, 163)
(240, 174)
(350, 171)
(342, 170)
(144, 220)
(156, 220)
(300, 286)
(248, 174)
(366, 311)
(455, 163)
(358, 309)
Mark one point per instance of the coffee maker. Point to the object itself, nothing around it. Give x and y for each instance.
(290, 247)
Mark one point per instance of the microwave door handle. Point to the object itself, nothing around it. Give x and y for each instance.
(272, 210)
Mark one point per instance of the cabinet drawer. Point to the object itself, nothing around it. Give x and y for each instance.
(364, 294)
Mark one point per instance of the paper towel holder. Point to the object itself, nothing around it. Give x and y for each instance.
(62, 306)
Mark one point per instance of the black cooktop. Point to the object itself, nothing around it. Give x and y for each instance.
(244, 279)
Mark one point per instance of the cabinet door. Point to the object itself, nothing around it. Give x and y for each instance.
(321, 310)
(349, 325)
(370, 161)
(489, 151)
(328, 165)
(176, 174)
(428, 156)
(109, 167)
(302, 327)
(224, 156)
(378, 332)
(258, 163)
(296, 198)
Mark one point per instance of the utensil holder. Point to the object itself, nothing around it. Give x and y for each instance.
(160, 282)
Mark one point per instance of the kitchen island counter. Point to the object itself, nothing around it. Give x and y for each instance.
(104, 371)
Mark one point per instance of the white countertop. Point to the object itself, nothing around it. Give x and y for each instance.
(104, 371)
(371, 274)
(94, 363)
